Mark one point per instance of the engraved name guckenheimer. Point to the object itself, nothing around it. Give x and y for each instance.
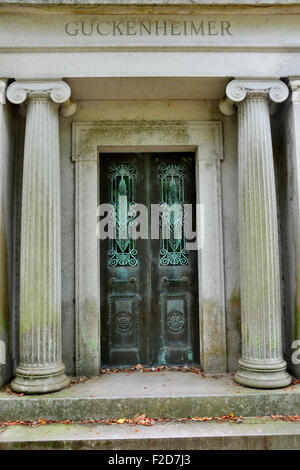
(153, 27)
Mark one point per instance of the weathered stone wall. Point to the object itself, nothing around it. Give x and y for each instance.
(6, 240)
(285, 146)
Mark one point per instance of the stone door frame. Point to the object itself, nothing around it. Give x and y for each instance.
(205, 139)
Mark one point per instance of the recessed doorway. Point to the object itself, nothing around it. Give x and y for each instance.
(149, 285)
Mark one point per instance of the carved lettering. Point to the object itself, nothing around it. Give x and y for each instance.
(225, 25)
(145, 28)
(161, 27)
(212, 31)
(148, 28)
(197, 29)
(131, 28)
(116, 28)
(175, 28)
(101, 30)
(72, 28)
(87, 28)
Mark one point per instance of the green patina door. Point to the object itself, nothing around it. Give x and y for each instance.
(149, 285)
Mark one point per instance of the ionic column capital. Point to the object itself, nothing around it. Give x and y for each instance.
(56, 90)
(240, 89)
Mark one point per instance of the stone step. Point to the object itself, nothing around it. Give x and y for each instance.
(252, 433)
(157, 394)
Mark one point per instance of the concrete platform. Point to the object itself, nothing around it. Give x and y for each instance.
(253, 433)
(157, 394)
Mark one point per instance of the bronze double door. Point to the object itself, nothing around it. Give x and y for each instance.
(149, 285)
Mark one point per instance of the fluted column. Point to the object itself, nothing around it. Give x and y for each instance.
(40, 367)
(261, 364)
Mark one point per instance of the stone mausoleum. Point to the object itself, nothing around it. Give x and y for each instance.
(189, 102)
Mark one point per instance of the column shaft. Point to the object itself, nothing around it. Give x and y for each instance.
(262, 364)
(40, 367)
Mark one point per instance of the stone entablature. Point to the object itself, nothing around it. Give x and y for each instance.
(213, 29)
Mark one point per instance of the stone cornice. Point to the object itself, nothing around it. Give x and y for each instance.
(239, 89)
(153, 2)
(57, 90)
(162, 7)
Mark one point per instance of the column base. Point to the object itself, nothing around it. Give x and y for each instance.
(259, 375)
(39, 380)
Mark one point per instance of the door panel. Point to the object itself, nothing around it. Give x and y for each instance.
(149, 303)
(174, 270)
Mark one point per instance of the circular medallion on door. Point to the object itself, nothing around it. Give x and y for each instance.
(123, 322)
(175, 321)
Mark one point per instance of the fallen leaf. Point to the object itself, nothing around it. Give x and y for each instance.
(42, 421)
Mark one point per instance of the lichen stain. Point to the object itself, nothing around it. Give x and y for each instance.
(297, 311)
(213, 353)
(297, 291)
(4, 302)
(89, 332)
(233, 329)
(234, 307)
(132, 133)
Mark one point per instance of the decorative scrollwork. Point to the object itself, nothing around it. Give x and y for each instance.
(122, 187)
(172, 238)
(173, 258)
(123, 170)
(58, 90)
(237, 90)
(172, 170)
(122, 259)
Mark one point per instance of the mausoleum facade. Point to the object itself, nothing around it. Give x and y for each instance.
(192, 103)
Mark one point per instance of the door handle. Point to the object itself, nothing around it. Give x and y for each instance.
(182, 279)
(132, 280)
